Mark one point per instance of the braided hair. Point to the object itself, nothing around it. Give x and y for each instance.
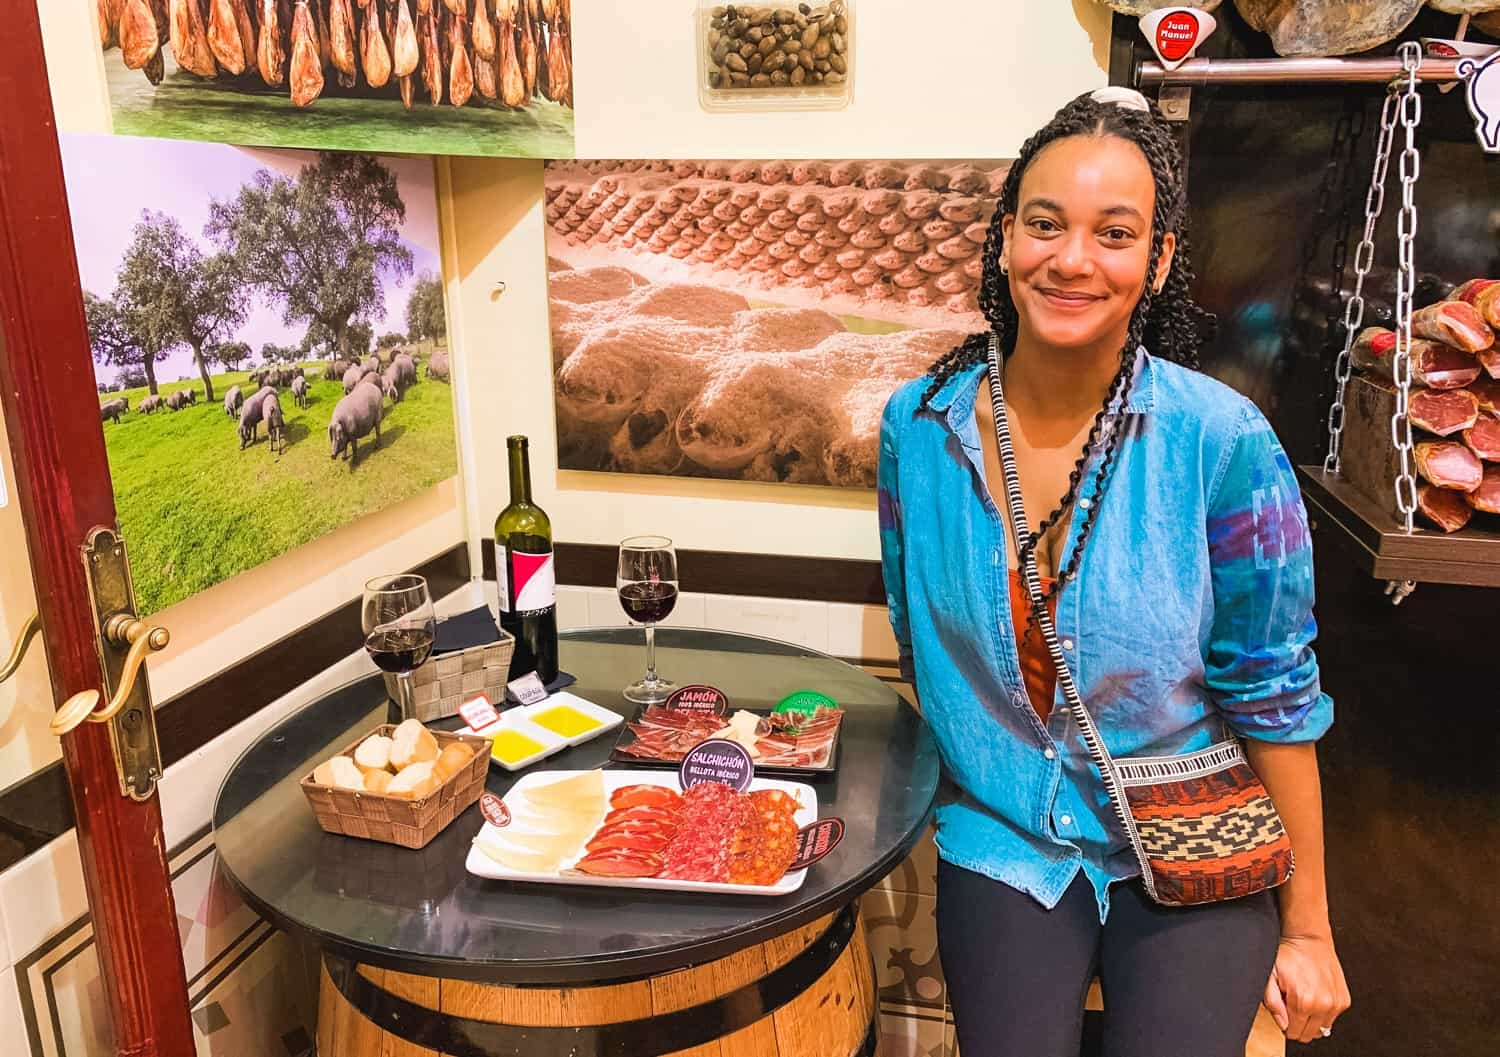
(1169, 322)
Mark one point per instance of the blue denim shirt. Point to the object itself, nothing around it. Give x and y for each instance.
(1191, 611)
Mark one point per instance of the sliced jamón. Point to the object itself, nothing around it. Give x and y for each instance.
(1483, 438)
(1448, 464)
(1433, 364)
(1445, 508)
(1443, 411)
(1487, 392)
(1455, 323)
(1487, 496)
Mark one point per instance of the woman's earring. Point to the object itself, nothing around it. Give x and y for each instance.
(1004, 266)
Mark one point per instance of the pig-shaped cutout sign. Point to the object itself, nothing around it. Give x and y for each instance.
(1174, 33)
(1484, 98)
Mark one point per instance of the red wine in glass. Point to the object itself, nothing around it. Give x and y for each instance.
(648, 603)
(647, 584)
(399, 625)
(399, 650)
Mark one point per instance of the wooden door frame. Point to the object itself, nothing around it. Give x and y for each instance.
(62, 483)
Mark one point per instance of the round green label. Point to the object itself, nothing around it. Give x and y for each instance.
(805, 701)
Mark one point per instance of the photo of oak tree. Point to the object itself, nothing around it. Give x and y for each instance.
(234, 298)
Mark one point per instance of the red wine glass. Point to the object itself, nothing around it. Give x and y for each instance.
(399, 626)
(647, 584)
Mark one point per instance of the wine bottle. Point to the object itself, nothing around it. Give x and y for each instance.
(523, 566)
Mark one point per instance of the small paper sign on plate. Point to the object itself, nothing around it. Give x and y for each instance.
(709, 700)
(817, 840)
(478, 712)
(717, 760)
(528, 689)
(494, 810)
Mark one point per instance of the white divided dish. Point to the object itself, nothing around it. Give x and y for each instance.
(513, 720)
(606, 719)
(521, 825)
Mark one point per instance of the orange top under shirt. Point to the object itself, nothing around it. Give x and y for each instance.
(1036, 663)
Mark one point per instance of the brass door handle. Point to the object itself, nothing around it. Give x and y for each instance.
(18, 653)
(120, 629)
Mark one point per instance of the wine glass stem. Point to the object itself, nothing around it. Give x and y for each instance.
(650, 653)
(401, 707)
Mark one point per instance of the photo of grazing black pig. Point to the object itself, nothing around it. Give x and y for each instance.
(355, 416)
(270, 413)
(250, 414)
(232, 401)
(299, 391)
(113, 409)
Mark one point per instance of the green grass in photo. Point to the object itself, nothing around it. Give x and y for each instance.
(196, 510)
(245, 111)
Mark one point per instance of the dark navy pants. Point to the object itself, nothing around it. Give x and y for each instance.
(1177, 981)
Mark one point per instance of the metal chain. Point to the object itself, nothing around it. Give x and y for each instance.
(1353, 120)
(1410, 168)
(1335, 170)
(1364, 259)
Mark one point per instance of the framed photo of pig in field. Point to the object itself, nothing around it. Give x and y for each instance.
(748, 320)
(487, 77)
(269, 342)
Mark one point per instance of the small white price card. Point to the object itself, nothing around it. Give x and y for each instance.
(478, 712)
(528, 689)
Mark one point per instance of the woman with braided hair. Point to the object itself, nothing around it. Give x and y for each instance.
(1177, 570)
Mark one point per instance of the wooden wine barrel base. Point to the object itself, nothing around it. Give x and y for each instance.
(808, 993)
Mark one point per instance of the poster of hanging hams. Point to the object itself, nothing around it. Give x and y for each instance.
(482, 77)
(747, 320)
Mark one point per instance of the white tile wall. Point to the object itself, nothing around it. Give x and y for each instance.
(860, 631)
(805, 623)
(42, 893)
(851, 631)
(12, 1021)
(572, 607)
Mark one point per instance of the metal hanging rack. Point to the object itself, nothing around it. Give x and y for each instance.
(1201, 72)
(1388, 547)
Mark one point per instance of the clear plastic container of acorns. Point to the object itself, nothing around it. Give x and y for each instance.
(787, 56)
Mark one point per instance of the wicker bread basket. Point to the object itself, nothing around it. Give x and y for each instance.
(394, 819)
(443, 683)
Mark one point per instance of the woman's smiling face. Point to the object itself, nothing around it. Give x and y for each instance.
(1079, 242)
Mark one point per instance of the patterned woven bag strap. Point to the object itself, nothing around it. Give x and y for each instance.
(1091, 738)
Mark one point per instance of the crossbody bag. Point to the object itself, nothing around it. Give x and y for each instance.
(1202, 826)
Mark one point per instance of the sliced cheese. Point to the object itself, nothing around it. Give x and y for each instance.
(537, 819)
(741, 728)
(582, 790)
(517, 860)
(562, 845)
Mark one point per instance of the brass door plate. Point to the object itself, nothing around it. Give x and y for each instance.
(132, 732)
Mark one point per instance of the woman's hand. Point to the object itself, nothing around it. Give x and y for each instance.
(1306, 992)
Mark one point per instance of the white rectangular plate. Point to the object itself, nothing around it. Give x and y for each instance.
(607, 720)
(482, 865)
(513, 720)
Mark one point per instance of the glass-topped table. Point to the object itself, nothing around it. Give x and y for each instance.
(418, 912)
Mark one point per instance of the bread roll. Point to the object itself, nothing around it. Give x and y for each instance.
(412, 743)
(378, 781)
(374, 753)
(413, 782)
(452, 760)
(340, 773)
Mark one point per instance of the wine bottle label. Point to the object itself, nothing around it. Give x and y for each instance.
(529, 584)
